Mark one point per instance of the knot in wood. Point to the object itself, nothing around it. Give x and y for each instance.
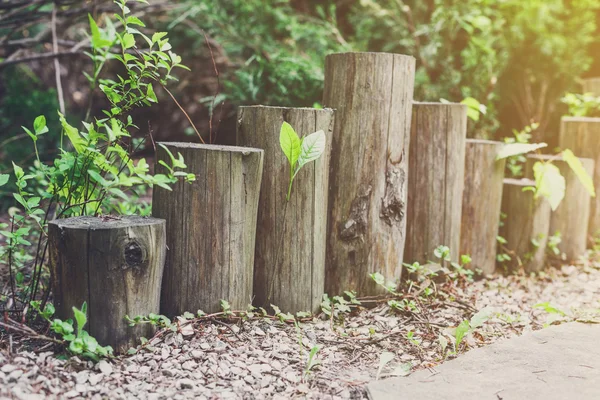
(393, 203)
(356, 224)
(133, 254)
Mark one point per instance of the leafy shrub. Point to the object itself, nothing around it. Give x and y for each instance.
(278, 53)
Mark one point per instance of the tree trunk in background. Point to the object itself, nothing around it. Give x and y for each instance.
(571, 218)
(211, 228)
(582, 136)
(115, 265)
(289, 266)
(482, 199)
(526, 224)
(435, 180)
(372, 95)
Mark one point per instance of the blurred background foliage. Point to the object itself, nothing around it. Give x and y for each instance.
(518, 58)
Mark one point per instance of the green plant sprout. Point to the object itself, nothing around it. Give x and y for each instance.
(300, 151)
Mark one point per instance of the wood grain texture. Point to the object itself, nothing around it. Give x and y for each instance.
(211, 228)
(582, 136)
(482, 199)
(592, 85)
(527, 221)
(435, 180)
(372, 95)
(571, 217)
(289, 266)
(114, 265)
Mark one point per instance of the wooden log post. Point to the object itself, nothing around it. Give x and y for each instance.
(526, 225)
(113, 264)
(571, 217)
(211, 227)
(435, 179)
(582, 136)
(482, 199)
(372, 95)
(289, 265)
(592, 85)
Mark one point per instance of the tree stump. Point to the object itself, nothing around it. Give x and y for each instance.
(592, 85)
(211, 228)
(526, 225)
(113, 264)
(582, 136)
(289, 265)
(482, 199)
(571, 217)
(372, 95)
(435, 180)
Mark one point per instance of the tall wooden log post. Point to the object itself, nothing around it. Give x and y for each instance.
(482, 199)
(526, 225)
(571, 217)
(372, 95)
(289, 265)
(592, 85)
(435, 179)
(211, 228)
(582, 136)
(114, 265)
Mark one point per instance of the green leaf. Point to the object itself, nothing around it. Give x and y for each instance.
(80, 317)
(515, 149)
(290, 143)
(18, 171)
(135, 21)
(480, 317)
(72, 134)
(31, 135)
(378, 278)
(39, 125)
(4, 179)
(580, 172)
(461, 331)
(312, 147)
(150, 94)
(549, 183)
(127, 41)
(97, 40)
(158, 36)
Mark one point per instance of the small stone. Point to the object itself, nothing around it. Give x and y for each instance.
(16, 374)
(95, 379)
(71, 393)
(8, 368)
(104, 367)
(169, 372)
(259, 332)
(185, 384)
(197, 354)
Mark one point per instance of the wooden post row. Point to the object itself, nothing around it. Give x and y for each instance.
(571, 217)
(582, 136)
(211, 227)
(289, 267)
(372, 95)
(482, 199)
(435, 180)
(526, 225)
(115, 266)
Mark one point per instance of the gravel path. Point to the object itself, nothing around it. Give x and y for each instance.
(263, 358)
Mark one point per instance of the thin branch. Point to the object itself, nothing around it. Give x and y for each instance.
(183, 111)
(61, 99)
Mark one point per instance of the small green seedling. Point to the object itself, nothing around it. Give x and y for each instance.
(300, 151)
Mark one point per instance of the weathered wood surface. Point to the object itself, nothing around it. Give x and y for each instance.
(289, 265)
(435, 180)
(571, 217)
(526, 225)
(372, 95)
(592, 85)
(582, 136)
(211, 228)
(115, 265)
(482, 199)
